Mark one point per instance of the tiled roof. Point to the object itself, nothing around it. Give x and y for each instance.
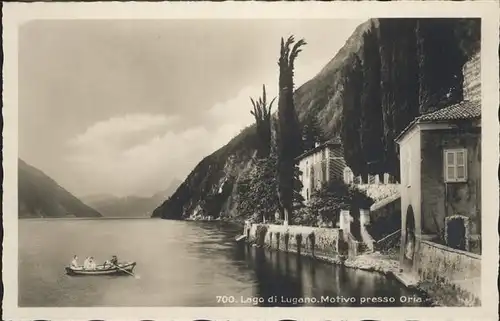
(332, 142)
(460, 111)
(465, 110)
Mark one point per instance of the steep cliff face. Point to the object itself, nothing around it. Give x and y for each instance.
(388, 72)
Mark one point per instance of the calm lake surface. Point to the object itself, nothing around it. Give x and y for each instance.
(180, 264)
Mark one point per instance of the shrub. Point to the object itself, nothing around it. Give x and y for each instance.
(304, 216)
(327, 202)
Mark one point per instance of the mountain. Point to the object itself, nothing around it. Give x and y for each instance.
(388, 72)
(41, 196)
(130, 206)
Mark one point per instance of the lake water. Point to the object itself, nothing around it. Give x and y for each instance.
(181, 264)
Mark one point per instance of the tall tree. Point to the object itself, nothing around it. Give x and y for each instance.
(440, 71)
(371, 105)
(351, 120)
(262, 113)
(311, 132)
(290, 139)
(399, 82)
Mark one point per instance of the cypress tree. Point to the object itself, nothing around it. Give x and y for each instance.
(371, 106)
(440, 60)
(290, 139)
(351, 121)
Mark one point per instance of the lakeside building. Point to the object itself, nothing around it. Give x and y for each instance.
(325, 162)
(440, 161)
(441, 177)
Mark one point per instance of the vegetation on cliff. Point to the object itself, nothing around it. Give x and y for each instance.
(257, 192)
(388, 72)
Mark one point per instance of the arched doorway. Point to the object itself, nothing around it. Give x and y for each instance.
(409, 249)
(456, 232)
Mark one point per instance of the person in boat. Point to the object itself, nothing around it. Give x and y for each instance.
(74, 262)
(86, 263)
(92, 264)
(112, 262)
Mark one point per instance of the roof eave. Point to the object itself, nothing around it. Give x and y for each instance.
(312, 151)
(417, 121)
(408, 128)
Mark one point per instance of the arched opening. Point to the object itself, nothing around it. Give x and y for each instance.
(287, 236)
(410, 235)
(298, 241)
(456, 233)
(348, 176)
(312, 243)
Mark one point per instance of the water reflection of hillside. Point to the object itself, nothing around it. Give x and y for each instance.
(287, 276)
(257, 272)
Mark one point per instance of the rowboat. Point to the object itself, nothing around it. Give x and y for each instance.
(121, 268)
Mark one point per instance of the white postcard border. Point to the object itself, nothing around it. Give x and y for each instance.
(15, 14)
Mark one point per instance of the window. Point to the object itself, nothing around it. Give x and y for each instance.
(348, 176)
(324, 177)
(455, 165)
(312, 179)
(307, 194)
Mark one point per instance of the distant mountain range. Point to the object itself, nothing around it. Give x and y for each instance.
(129, 206)
(41, 196)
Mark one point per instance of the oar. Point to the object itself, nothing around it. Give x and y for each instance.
(129, 273)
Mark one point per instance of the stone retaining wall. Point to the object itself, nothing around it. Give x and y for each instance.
(440, 264)
(313, 241)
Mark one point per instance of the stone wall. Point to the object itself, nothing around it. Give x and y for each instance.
(445, 266)
(314, 241)
(385, 219)
(472, 78)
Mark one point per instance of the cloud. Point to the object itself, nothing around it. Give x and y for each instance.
(141, 153)
(121, 131)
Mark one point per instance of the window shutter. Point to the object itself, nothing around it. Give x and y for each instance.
(449, 166)
(455, 165)
(461, 164)
(450, 173)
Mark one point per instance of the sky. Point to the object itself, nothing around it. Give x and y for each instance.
(125, 107)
